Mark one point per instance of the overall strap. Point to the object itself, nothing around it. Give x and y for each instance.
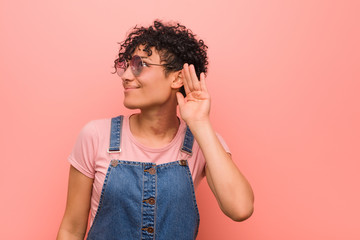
(115, 134)
(188, 142)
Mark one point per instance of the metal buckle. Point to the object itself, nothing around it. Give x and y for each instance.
(114, 151)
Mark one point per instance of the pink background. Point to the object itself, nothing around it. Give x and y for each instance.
(284, 78)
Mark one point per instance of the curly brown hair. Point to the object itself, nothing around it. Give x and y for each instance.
(175, 44)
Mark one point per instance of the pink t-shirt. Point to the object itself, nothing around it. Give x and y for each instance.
(91, 158)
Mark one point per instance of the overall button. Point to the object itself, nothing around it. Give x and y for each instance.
(152, 171)
(148, 229)
(114, 163)
(150, 201)
(183, 162)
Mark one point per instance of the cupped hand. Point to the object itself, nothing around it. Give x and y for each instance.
(195, 107)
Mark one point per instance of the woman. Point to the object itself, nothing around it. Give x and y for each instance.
(137, 173)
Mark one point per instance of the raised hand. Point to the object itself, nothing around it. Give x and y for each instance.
(233, 192)
(195, 107)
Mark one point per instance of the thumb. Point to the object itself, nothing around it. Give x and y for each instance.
(180, 99)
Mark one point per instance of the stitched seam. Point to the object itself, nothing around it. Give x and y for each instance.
(101, 198)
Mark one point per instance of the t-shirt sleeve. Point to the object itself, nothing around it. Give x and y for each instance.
(83, 154)
(223, 143)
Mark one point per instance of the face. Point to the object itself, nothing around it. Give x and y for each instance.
(151, 88)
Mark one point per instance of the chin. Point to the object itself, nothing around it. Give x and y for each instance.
(131, 106)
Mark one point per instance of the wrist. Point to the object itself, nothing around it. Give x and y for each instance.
(198, 126)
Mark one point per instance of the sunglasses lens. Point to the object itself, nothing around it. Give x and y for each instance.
(136, 65)
(121, 66)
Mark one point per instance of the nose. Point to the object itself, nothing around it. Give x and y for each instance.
(127, 75)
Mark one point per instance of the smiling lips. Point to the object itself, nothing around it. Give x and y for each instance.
(129, 87)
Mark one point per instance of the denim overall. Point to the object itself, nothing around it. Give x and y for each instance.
(142, 200)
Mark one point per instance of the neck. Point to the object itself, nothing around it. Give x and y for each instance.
(154, 128)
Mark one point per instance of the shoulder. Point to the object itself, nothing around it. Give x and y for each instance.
(95, 127)
(101, 127)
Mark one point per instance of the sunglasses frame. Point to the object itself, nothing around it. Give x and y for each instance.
(136, 70)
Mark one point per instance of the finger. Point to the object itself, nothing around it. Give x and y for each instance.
(194, 79)
(186, 85)
(188, 77)
(203, 83)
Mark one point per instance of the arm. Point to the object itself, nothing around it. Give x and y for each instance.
(231, 189)
(74, 222)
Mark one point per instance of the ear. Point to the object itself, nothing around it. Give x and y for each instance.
(177, 80)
